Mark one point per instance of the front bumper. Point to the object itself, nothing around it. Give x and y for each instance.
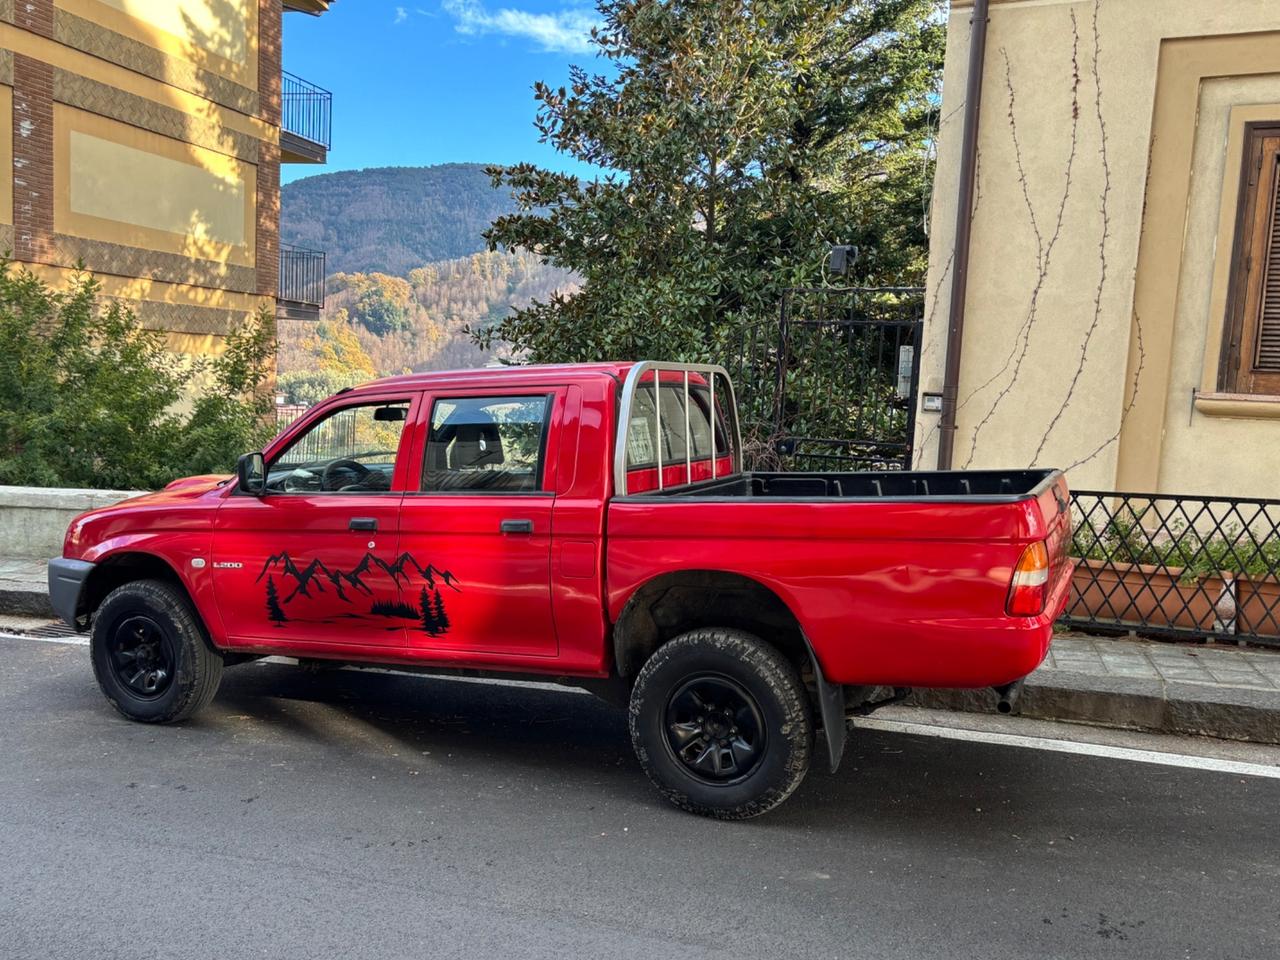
(66, 583)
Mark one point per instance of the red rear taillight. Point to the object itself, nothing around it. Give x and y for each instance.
(1030, 585)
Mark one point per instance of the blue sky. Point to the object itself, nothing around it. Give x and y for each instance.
(436, 81)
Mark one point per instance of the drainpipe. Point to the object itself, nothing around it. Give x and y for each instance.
(964, 230)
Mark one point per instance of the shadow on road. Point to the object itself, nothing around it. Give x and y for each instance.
(964, 794)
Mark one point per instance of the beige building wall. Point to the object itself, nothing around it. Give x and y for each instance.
(140, 137)
(1110, 150)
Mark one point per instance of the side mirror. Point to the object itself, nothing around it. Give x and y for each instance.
(251, 470)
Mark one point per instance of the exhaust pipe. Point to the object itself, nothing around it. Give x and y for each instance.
(1007, 696)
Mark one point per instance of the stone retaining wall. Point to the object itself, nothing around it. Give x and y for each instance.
(33, 520)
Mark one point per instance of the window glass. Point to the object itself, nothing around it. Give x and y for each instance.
(640, 438)
(486, 444)
(641, 446)
(352, 450)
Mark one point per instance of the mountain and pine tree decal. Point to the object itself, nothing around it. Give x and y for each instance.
(364, 589)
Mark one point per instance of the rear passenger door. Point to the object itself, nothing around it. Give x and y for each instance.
(479, 525)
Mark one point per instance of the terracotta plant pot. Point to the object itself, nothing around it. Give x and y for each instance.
(1139, 594)
(1259, 606)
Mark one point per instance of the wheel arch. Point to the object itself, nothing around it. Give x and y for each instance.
(126, 566)
(679, 601)
(676, 602)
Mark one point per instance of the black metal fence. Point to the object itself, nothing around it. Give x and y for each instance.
(1176, 566)
(833, 384)
(301, 276)
(305, 109)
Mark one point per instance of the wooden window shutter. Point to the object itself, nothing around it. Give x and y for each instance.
(1267, 352)
(1251, 343)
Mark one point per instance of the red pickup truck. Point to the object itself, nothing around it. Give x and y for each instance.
(591, 523)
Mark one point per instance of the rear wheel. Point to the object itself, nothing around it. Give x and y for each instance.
(150, 654)
(721, 724)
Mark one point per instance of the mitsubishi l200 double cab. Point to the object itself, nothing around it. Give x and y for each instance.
(592, 523)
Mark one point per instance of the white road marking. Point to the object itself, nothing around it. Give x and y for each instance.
(1080, 748)
(76, 641)
(1214, 764)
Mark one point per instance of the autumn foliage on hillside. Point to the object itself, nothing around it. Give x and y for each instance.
(377, 325)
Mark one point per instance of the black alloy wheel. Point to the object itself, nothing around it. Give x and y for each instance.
(142, 656)
(715, 729)
(151, 654)
(721, 723)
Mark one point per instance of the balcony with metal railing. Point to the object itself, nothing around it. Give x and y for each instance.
(301, 295)
(305, 120)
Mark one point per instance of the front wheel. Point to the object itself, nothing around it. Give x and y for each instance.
(150, 654)
(721, 724)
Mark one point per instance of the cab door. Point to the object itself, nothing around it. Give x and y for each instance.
(479, 526)
(314, 561)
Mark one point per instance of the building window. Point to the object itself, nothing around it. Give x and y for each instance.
(1251, 346)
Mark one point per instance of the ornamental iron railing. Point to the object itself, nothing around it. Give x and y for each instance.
(306, 110)
(1176, 566)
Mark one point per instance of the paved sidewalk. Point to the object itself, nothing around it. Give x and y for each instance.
(1231, 693)
(1146, 660)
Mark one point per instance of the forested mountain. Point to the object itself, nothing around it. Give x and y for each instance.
(392, 219)
(376, 324)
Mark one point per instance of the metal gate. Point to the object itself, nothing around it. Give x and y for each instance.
(833, 386)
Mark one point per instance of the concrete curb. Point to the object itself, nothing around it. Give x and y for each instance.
(25, 602)
(1128, 703)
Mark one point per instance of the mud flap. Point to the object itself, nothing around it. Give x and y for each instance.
(831, 708)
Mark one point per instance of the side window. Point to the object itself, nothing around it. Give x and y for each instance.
(640, 437)
(352, 450)
(700, 424)
(486, 444)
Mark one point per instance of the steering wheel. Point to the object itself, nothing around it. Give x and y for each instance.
(329, 482)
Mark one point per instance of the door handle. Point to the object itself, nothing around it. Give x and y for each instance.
(363, 523)
(516, 526)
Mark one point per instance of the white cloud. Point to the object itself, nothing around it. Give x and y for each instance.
(565, 31)
(401, 15)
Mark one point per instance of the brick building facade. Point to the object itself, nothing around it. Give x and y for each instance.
(143, 139)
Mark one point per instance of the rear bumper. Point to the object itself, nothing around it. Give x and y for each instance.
(66, 583)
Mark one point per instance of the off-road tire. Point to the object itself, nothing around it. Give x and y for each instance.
(195, 668)
(776, 695)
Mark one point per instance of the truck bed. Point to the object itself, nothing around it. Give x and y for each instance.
(984, 486)
(898, 579)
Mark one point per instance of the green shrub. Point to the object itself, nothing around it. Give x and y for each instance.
(1184, 550)
(89, 398)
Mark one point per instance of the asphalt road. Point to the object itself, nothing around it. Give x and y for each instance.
(350, 815)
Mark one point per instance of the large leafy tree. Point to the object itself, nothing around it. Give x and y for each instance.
(738, 139)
